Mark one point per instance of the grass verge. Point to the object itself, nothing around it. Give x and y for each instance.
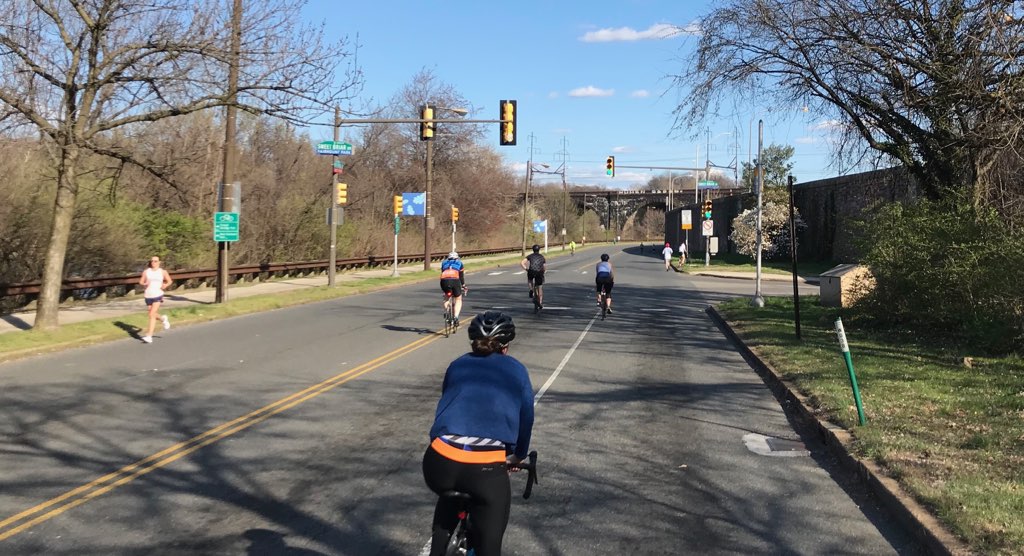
(16, 345)
(734, 262)
(952, 435)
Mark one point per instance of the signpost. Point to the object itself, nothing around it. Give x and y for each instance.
(686, 217)
(333, 148)
(414, 204)
(225, 226)
(542, 226)
(707, 228)
(707, 184)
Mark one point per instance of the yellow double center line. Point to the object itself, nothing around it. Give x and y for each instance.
(51, 508)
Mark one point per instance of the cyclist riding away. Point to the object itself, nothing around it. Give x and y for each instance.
(535, 265)
(482, 426)
(605, 280)
(453, 281)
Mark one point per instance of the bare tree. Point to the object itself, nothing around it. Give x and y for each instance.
(85, 75)
(936, 86)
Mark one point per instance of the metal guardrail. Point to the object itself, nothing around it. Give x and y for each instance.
(185, 278)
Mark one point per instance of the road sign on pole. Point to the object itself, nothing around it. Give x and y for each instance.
(707, 184)
(686, 218)
(707, 228)
(225, 226)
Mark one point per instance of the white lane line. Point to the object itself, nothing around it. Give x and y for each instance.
(496, 273)
(655, 310)
(520, 272)
(556, 308)
(554, 375)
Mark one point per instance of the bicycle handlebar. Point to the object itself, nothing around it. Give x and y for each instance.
(531, 469)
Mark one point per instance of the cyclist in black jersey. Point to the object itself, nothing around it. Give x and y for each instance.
(605, 280)
(535, 265)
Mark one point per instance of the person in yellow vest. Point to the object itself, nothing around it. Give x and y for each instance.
(572, 247)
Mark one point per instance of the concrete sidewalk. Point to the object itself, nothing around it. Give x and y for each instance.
(100, 309)
(753, 276)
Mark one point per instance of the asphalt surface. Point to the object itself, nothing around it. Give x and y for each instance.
(301, 431)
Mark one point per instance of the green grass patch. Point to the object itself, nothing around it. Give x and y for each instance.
(952, 435)
(15, 345)
(734, 262)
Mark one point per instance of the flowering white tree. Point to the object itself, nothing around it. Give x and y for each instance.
(774, 225)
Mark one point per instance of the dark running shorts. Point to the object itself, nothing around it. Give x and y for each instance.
(152, 300)
(604, 281)
(536, 277)
(452, 286)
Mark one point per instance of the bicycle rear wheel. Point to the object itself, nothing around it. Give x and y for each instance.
(604, 305)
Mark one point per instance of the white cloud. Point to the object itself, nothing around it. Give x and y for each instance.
(591, 91)
(805, 140)
(553, 94)
(827, 125)
(641, 93)
(656, 32)
(620, 149)
(517, 167)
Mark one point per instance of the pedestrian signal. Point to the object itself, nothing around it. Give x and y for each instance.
(427, 127)
(609, 166)
(507, 115)
(340, 193)
(398, 205)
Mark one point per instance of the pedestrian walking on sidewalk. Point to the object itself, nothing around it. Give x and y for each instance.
(682, 254)
(155, 280)
(667, 253)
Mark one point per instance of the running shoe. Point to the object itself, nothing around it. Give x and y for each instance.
(167, 323)
(147, 339)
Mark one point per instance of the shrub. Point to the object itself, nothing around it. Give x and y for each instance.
(946, 273)
(775, 230)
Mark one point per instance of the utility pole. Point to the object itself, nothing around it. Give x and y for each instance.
(526, 192)
(229, 203)
(332, 270)
(707, 176)
(565, 193)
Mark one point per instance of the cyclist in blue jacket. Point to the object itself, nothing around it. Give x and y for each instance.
(482, 426)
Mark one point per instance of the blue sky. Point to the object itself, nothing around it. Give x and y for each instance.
(591, 73)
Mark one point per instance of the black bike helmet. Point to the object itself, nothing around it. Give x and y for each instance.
(604, 257)
(493, 324)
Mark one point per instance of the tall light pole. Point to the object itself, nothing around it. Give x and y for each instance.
(758, 300)
(427, 224)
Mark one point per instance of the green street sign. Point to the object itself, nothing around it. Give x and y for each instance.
(333, 148)
(225, 226)
(398, 225)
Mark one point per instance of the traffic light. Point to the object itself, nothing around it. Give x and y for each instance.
(398, 205)
(426, 128)
(340, 193)
(609, 166)
(507, 115)
(455, 214)
(707, 209)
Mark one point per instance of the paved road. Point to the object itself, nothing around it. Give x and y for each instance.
(300, 431)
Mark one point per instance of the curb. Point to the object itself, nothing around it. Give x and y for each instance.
(812, 280)
(917, 520)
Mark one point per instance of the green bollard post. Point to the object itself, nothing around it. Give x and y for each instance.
(841, 332)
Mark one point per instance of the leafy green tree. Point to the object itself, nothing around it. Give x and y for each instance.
(776, 165)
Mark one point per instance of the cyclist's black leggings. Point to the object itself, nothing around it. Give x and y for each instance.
(489, 487)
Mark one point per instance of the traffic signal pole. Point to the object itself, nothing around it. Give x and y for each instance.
(333, 268)
(758, 300)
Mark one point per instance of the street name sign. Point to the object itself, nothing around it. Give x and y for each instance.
(335, 148)
(707, 184)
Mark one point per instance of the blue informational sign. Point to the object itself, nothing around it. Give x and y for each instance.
(414, 204)
(540, 226)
